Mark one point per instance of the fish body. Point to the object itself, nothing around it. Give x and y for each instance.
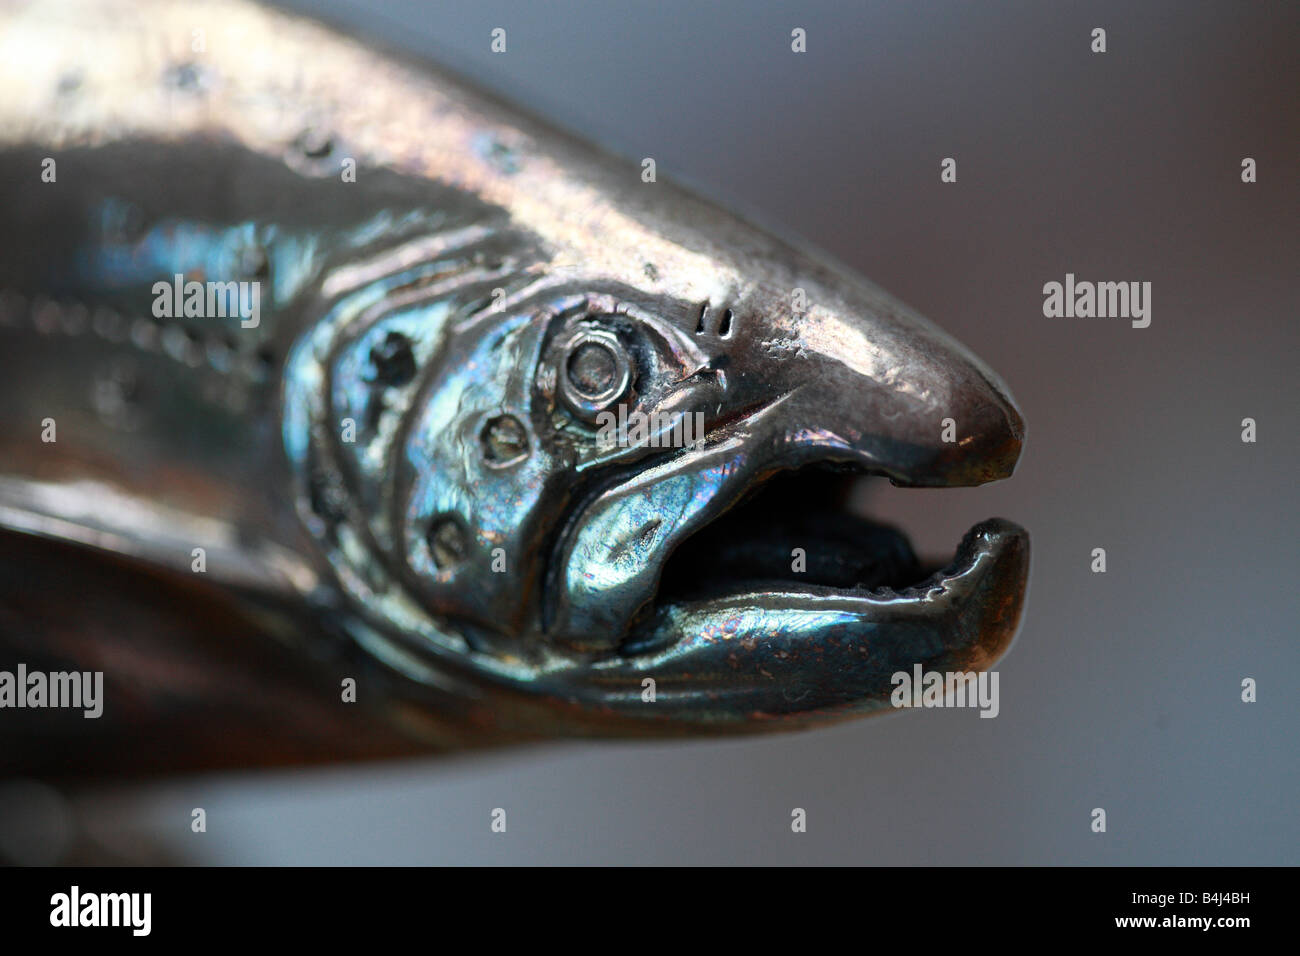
(320, 330)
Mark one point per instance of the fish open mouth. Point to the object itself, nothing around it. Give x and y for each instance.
(796, 530)
(791, 606)
(802, 534)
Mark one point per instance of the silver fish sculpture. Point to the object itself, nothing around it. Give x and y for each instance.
(319, 366)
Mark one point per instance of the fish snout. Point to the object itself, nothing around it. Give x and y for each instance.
(900, 398)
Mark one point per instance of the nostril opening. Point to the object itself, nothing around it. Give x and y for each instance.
(724, 328)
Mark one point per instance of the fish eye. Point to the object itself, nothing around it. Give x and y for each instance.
(595, 372)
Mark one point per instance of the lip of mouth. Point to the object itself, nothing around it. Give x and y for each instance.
(797, 539)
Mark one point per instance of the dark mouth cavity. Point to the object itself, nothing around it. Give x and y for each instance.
(751, 545)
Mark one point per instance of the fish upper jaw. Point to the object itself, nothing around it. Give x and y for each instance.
(922, 410)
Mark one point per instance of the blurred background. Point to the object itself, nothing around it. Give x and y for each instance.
(1123, 690)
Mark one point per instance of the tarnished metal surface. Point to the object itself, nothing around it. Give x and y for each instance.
(400, 449)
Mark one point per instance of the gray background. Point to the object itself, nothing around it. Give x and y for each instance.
(1122, 690)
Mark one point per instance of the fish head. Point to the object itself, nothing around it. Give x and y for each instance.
(608, 484)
